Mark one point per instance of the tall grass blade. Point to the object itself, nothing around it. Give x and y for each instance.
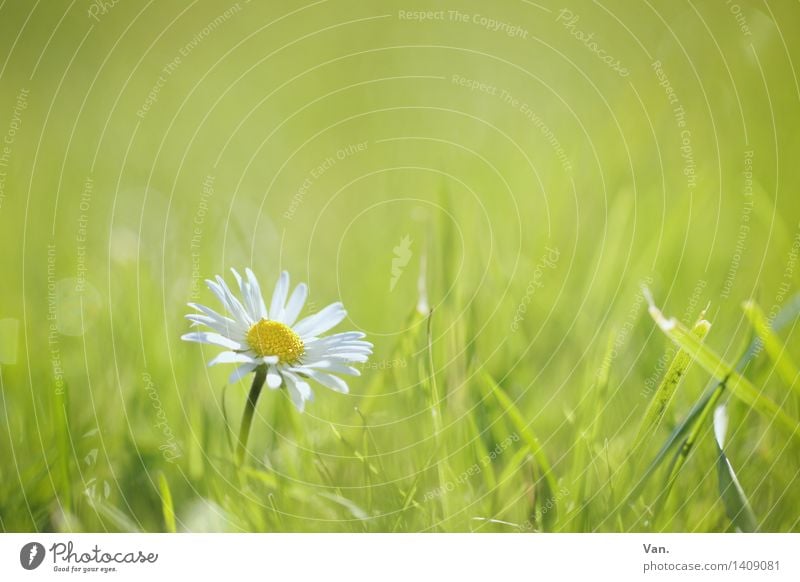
(60, 420)
(730, 490)
(773, 345)
(669, 385)
(696, 417)
(435, 405)
(167, 507)
(680, 430)
(682, 454)
(739, 386)
(547, 481)
(588, 436)
(122, 522)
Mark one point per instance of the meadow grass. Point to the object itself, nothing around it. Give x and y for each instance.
(521, 382)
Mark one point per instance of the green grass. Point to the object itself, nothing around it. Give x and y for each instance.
(513, 402)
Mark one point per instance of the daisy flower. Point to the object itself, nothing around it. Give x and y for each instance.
(272, 342)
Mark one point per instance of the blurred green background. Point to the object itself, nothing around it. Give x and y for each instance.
(544, 160)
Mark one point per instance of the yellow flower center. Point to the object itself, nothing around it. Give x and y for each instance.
(272, 338)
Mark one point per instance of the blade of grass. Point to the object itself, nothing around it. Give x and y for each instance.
(730, 490)
(121, 521)
(436, 414)
(773, 345)
(682, 454)
(580, 469)
(548, 483)
(60, 420)
(673, 438)
(669, 385)
(709, 399)
(166, 504)
(739, 386)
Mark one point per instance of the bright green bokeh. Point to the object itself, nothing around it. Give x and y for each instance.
(148, 147)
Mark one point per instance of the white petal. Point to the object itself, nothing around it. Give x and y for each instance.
(274, 379)
(299, 391)
(295, 305)
(237, 276)
(255, 295)
(240, 372)
(349, 349)
(333, 382)
(216, 339)
(236, 307)
(231, 358)
(270, 359)
(344, 336)
(331, 342)
(357, 346)
(279, 297)
(330, 367)
(321, 322)
(244, 290)
(347, 357)
(231, 329)
(221, 320)
(231, 303)
(322, 353)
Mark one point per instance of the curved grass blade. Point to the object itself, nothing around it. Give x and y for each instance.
(714, 390)
(673, 438)
(730, 490)
(578, 517)
(167, 507)
(548, 483)
(669, 385)
(682, 454)
(435, 404)
(61, 423)
(773, 345)
(739, 386)
(121, 521)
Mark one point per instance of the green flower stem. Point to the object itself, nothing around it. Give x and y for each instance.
(249, 409)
